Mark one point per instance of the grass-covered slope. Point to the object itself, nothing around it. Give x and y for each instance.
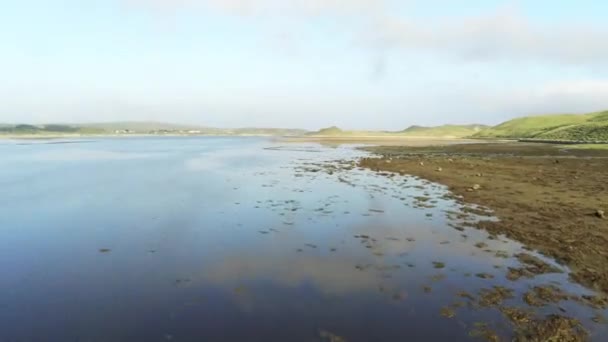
(592, 131)
(576, 127)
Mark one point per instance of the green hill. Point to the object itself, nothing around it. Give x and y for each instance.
(456, 131)
(579, 127)
(445, 131)
(331, 131)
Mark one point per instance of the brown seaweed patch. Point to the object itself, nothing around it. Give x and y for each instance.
(554, 328)
(495, 296)
(542, 295)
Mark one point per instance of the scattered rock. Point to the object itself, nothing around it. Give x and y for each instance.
(240, 290)
(466, 295)
(438, 264)
(515, 273)
(484, 276)
(438, 169)
(599, 318)
(447, 312)
(542, 295)
(553, 328)
(596, 302)
(481, 245)
(330, 337)
(476, 187)
(438, 277)
(533, 266)
(482, 331)
(516, 316)
(502, 254)
(600, 214)
(495, 296)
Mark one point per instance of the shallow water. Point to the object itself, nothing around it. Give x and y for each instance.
(224, 239)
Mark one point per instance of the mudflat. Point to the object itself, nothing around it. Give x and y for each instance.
(551, 198)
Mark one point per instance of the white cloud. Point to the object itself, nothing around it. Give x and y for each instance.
(591, 88)
(505, 34)
(247, 7)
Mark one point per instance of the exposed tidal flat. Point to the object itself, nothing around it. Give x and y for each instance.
(226, 239)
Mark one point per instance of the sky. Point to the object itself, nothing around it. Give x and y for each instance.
(357, 64)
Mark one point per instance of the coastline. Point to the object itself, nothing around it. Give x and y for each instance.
(89, 136)
(548, 197)
(385, 140)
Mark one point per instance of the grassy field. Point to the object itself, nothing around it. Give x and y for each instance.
(586, 127)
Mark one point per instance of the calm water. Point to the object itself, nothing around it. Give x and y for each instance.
(232, 239)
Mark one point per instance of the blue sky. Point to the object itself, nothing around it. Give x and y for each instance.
(301, 63)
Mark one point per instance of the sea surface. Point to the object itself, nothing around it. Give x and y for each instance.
(237, 239)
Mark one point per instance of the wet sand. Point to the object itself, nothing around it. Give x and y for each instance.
(550, 198)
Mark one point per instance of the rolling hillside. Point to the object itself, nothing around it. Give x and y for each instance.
(444, 131)
(457, 131)
(576, 127)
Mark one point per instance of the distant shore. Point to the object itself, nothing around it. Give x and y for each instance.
(393, 140)
(109, 135)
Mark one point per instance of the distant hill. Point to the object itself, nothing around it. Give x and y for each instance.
(47, 129)
(140, 126)
(456, 131)
(135, 127)
(330, 131)
(445, 131)
(576, 127)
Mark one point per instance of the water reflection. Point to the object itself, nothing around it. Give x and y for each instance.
(239, 239)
